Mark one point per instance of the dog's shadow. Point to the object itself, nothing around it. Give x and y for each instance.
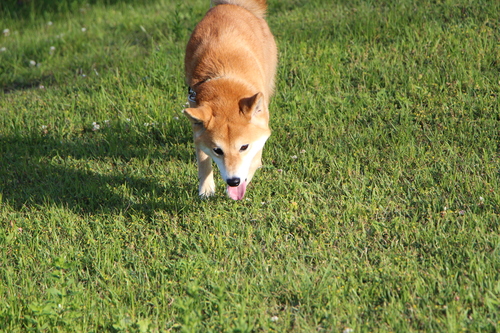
(95, 173)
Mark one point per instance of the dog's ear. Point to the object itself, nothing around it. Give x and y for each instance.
(254, 109)
(197, 116)
(252, 106)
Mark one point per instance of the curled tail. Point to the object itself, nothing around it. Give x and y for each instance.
(256, 7)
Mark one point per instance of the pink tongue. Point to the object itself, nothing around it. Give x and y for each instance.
(237, 192)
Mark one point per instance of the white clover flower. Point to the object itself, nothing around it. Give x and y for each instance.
(41, 86)
(6, 32)
(303, 151)
(32, 63)
(84, 29)
(274, 318)
(95, 126)
(3, 49)
(49, 23)
(294, 157)
(52, 49)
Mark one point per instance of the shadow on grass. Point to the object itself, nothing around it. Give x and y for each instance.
(20, 84)
(93, 176)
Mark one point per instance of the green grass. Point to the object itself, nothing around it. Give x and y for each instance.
(377, 208)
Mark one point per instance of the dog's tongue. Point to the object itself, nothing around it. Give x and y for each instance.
(237, 192)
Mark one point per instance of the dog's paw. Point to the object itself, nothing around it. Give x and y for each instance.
(206, 190)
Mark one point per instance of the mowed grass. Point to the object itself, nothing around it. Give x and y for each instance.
(377, 208)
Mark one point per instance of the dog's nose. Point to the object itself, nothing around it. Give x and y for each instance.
(233, 182)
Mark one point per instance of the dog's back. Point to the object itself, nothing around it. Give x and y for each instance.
(256, 7)
(233, 40)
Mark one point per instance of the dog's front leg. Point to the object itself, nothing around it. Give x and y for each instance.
(205, 174)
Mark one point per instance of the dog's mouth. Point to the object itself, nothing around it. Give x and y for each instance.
(237, 192)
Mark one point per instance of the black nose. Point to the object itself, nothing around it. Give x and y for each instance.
(233, 182)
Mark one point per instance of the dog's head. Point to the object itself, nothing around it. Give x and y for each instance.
(232, 131)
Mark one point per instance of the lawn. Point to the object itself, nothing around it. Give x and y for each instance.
(377, 208)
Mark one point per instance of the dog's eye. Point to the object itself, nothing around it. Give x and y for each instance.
(218, 151)
(244, 147)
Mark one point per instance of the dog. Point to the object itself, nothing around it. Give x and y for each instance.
(230, 66)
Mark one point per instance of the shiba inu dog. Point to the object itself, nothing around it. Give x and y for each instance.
(230, 66)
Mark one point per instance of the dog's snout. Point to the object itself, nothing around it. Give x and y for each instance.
(233, 182)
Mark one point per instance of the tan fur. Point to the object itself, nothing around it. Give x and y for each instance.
(256, 7)
(230, 65)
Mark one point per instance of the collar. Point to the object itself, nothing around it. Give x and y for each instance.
(192, 93)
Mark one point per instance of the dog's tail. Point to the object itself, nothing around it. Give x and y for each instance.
(256, 7)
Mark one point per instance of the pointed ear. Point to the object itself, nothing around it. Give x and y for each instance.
(251, 106)
(198, 115)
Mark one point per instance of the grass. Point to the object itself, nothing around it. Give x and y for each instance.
(377, 208)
